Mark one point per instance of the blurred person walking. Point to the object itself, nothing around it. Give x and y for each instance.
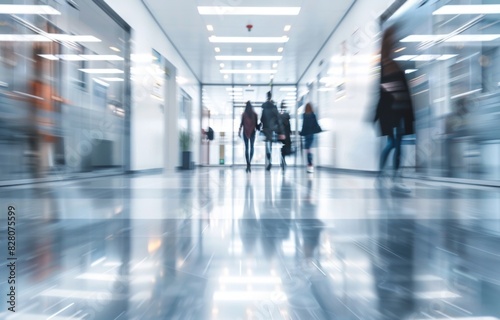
(310, 127)
(43, 116)
(249, 125)
(271, 123)
(286, 149)
(394, 110)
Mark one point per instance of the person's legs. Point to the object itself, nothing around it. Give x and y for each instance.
(309, 139)
(252, 142)
(397, 152)
(398, 183)
(269, 146)
(247, 158)
(386, 151)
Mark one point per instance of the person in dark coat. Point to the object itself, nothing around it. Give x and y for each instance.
(271, 123)
(310, 127)
(394, 110)
(286, 149)
(249, 126)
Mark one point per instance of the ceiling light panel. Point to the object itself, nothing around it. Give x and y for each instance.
(235, 71)
(248, 58)
(215, 39)
(27, 9)
(468, 9)
(253, 11)
(24, 38)
(287, 28)
(457, 38)
(103, 71)
(210, 27)
(101, 57)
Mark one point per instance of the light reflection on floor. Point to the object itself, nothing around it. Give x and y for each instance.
(219, 244)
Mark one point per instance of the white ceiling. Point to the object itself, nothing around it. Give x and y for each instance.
(187, 29)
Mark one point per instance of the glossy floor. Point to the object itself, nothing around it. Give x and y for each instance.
(220, 244)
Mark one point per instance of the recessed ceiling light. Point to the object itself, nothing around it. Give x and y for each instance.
(249, 65)
(406, 57)
(115, 49)
(217, 49)
(408, 71)
(234, 71)
(49, 56)
(447, 56)
(280, 49)
(101, 57)
(226, 76)
(23, 38)
(47, 37)
(221, 65)
(215, 39)
(469, 9)
(426, 57)
(249, 77)
(473, 38)
(234, 10)
(249, 49)
(271, 76)
(210, 27)
(112, 79)
(27, 9)
(71, 57)
(73, 38)
(104, 71)
(275, 65)
(248, 58)
(287, 28)
(457, 38)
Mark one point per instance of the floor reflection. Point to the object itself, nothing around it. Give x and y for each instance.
(220, 244)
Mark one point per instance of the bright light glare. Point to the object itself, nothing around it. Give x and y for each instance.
(469, 9)
(104, 71)
(27, 9)
(249, 296)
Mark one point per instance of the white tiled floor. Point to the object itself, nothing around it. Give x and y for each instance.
(220, 244)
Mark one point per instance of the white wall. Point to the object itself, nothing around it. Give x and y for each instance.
(350, 140)
(147, 121)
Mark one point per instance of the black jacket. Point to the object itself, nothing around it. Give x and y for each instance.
(271, 120)
(391, 112)
(310, 124)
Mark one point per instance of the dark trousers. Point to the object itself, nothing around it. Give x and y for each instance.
(249, 142)
(393, 142)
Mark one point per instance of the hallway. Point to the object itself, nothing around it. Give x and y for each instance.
(217, 244)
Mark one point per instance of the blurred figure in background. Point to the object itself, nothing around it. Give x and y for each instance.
(271, 123)
(310, 127)
(249, 125)
(42, 117)
(286, 149)
(394, 110)
(455, 125)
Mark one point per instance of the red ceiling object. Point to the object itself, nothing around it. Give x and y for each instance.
(249, 27)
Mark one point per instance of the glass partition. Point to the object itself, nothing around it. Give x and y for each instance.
(451, 57)
(224, 105)
(62, 90)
